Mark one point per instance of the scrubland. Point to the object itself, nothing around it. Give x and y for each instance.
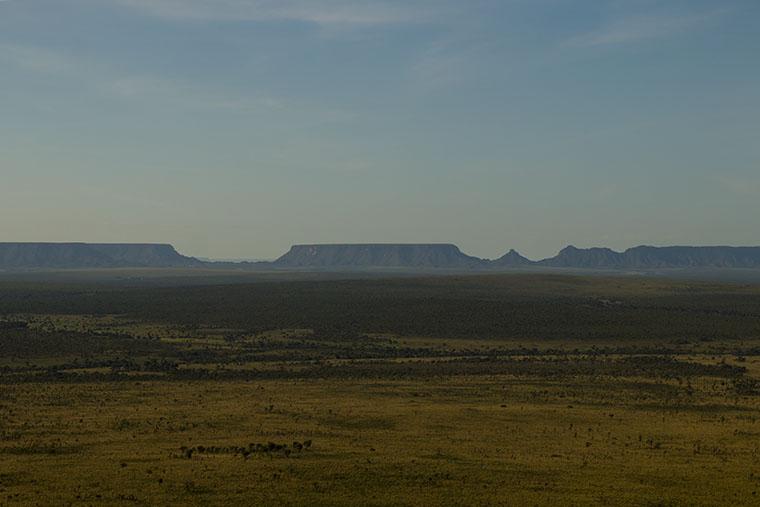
(482, 390)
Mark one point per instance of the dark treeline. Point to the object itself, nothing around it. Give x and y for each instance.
(365, 329)
(539, 307)
(567, 367)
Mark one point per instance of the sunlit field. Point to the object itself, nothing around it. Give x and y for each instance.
(490, 390)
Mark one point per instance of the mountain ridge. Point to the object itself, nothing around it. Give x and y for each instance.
(351, 256)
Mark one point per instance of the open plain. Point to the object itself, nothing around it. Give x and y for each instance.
(458, 390)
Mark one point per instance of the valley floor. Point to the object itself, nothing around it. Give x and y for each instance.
(502, 390)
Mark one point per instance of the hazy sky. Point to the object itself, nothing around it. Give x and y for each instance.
(234, 128)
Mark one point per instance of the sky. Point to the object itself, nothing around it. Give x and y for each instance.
(235, 128)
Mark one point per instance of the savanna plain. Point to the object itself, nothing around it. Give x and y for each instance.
(519, 389)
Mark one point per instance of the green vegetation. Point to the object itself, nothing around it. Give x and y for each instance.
(481, 390)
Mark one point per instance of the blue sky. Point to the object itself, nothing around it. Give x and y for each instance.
(234, 128)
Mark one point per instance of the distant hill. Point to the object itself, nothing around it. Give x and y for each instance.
(650, 257)
(378, 255)
(571, 257)
(337, 257)
(423, 256)
(91, 255)
(510, 259)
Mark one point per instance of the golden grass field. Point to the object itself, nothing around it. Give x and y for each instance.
(106, 408)
(457, 441)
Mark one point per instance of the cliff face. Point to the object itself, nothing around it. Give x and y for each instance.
(378, 255)
(85, 255)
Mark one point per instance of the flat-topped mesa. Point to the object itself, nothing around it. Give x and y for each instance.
(91, 255)
(378, 255)
(145, 254)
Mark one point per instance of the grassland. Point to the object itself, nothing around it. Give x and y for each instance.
(483, 390)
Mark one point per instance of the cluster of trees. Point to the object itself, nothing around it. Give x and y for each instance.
(13, 324)
(254, 448)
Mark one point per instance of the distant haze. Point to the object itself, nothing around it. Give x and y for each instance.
(236, 129)
(339, 258)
